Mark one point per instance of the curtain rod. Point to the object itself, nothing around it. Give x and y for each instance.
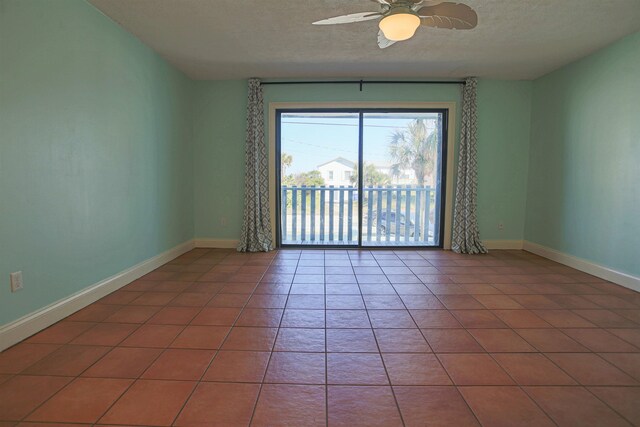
(363, 82)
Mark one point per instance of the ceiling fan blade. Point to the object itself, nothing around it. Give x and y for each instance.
(383, 2)
(383, 42)
(456, 16)
(348, 19)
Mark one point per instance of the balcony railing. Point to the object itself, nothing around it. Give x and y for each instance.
(391, 216)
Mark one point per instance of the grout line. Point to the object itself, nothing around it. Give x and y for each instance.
(275, 340)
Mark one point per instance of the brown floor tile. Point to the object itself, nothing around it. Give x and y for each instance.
(504, 406)
(591, 369)
(293, 405)
(229, 300)
(179, 364)
(174, 316)
(123, 362)
(574, 406)
(501, 341)
(460, 302)
(217, 316)
(263, 317)
(628, 362)
(624, 400)
(362, 406)
(606, 319)
(451, 341)
(437, 406)
(296, 368)
(600, 340)
(389, 319)
(238, 366)
(422, 302)
(498, 302)
(535, 302)
(69, 360)
(267, 301)
(300, 339)
(310, 302)
(60, 333)
(351, 341)
(227, 404)
(383, 302)
(133, 314)
(610, 301)
(550, 340)
(521, 319)
(300, 318)
(149, 402)
(201, 337)
(23, 355)
(401, 341)
(154, 298)
(478, 319)
(434, 319)
(356, 369)
(415, 369)
(256, 339)
(154, 336)
(347, 319)
(563, 319)
(191, 299)
(21, 394)
(532, 369)
(344, 302)
(96, 312)
(474, 369)
(82, 401)
(108, 334)
(572, 301)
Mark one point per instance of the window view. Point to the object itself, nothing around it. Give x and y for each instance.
(318, 197)
(397, 202)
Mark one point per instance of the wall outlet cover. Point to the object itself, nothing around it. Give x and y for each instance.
(16, 281)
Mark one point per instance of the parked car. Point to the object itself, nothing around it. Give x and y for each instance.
(390, 223)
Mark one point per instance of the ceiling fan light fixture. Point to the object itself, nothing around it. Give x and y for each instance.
(400, 24)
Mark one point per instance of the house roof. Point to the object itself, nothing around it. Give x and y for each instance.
(341, 160)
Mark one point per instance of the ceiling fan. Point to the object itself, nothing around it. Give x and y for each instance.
(401, 18)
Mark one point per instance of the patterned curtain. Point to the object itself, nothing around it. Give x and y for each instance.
(466, 237)
(256, 225)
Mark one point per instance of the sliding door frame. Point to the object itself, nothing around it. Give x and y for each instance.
(446, 162)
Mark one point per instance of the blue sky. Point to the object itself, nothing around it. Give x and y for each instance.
(315, 138)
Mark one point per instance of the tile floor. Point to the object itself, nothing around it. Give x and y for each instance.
(338, 337)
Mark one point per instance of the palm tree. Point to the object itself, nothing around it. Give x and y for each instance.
(285, 162)
(414, 147)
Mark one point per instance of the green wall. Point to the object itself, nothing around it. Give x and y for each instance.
(95, 153)
(219, 134)
(584, 174)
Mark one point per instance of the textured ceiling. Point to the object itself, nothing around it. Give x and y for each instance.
(224, 39)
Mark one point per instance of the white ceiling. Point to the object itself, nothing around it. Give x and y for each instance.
(226, 39)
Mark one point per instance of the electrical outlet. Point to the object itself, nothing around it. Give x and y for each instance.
(500, 225)
(16, 281)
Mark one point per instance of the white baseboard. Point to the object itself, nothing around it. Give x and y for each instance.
(606, 273)
(216, 243)
(503, 244)
(14, 332)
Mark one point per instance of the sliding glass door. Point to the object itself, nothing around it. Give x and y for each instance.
(323, 198)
